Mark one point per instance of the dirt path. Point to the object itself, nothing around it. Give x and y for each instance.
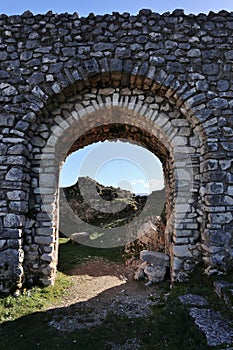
(101, 288)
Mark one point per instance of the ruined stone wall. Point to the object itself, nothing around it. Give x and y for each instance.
(164, 80)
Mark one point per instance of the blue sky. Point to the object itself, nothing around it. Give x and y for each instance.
(103, 6)
(127, 166)
(118, 164)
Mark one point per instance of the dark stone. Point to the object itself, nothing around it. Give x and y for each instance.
(202, 85)
(127, 66)
(210, 69)
(22, 125)
(19, 149)
(141, 39)
(69, 51)
(15, 19)
(34, 62)
(36, 78)
(215, 188)
(151, 46)
(6, 120)
(157, 61)
(218, 237)
(175, 67)
(122, 53)
(15, 174)
(25, 56)
(91, 66)
(220, 103)
(136, 47)
(55, 67)
(3, 56)
(32, 44)
(145, 12)
(3, 149)
(210, 54)
(116, 65)
(229, 55)
(228, 146)
(103, 47)
(4, 74)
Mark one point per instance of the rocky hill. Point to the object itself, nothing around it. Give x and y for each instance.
(101, 205)
(90, 206)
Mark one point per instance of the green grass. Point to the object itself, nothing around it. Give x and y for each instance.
(32, 300)
(25, 319)
(169, 327)
(70, 255)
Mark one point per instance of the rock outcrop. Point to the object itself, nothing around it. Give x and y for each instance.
(88, 205)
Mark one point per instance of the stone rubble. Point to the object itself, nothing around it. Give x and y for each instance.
(154, 266)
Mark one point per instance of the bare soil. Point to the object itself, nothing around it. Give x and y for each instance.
(102, 288)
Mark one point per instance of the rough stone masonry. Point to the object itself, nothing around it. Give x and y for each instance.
(163, 81)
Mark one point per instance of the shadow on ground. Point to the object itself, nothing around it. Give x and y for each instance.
(111, 320)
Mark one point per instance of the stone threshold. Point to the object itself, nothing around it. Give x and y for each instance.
(217, 329)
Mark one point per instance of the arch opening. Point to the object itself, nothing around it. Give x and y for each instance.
(102, 207)
(73, 126)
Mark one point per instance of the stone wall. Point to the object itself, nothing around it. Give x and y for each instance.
(163, 81)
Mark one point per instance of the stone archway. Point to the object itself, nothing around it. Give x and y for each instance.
(148, 119)
(66, 69)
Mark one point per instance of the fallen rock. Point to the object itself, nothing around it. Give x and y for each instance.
(154, 266)
(155, 258)
(139, 275)
(155, 273)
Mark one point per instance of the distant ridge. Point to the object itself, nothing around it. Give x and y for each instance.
(88, 200)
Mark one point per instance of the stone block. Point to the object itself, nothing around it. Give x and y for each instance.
(9, 233)
(46, 257)
(48, 180)
(210, 69)
(217, 237)
(44, 231)
(155, 273)
(221, 218)
(155, 258)
(194, 53)
(44, 240)
(182, 251)
(214, 188)
(36, 78)
(13, 220)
